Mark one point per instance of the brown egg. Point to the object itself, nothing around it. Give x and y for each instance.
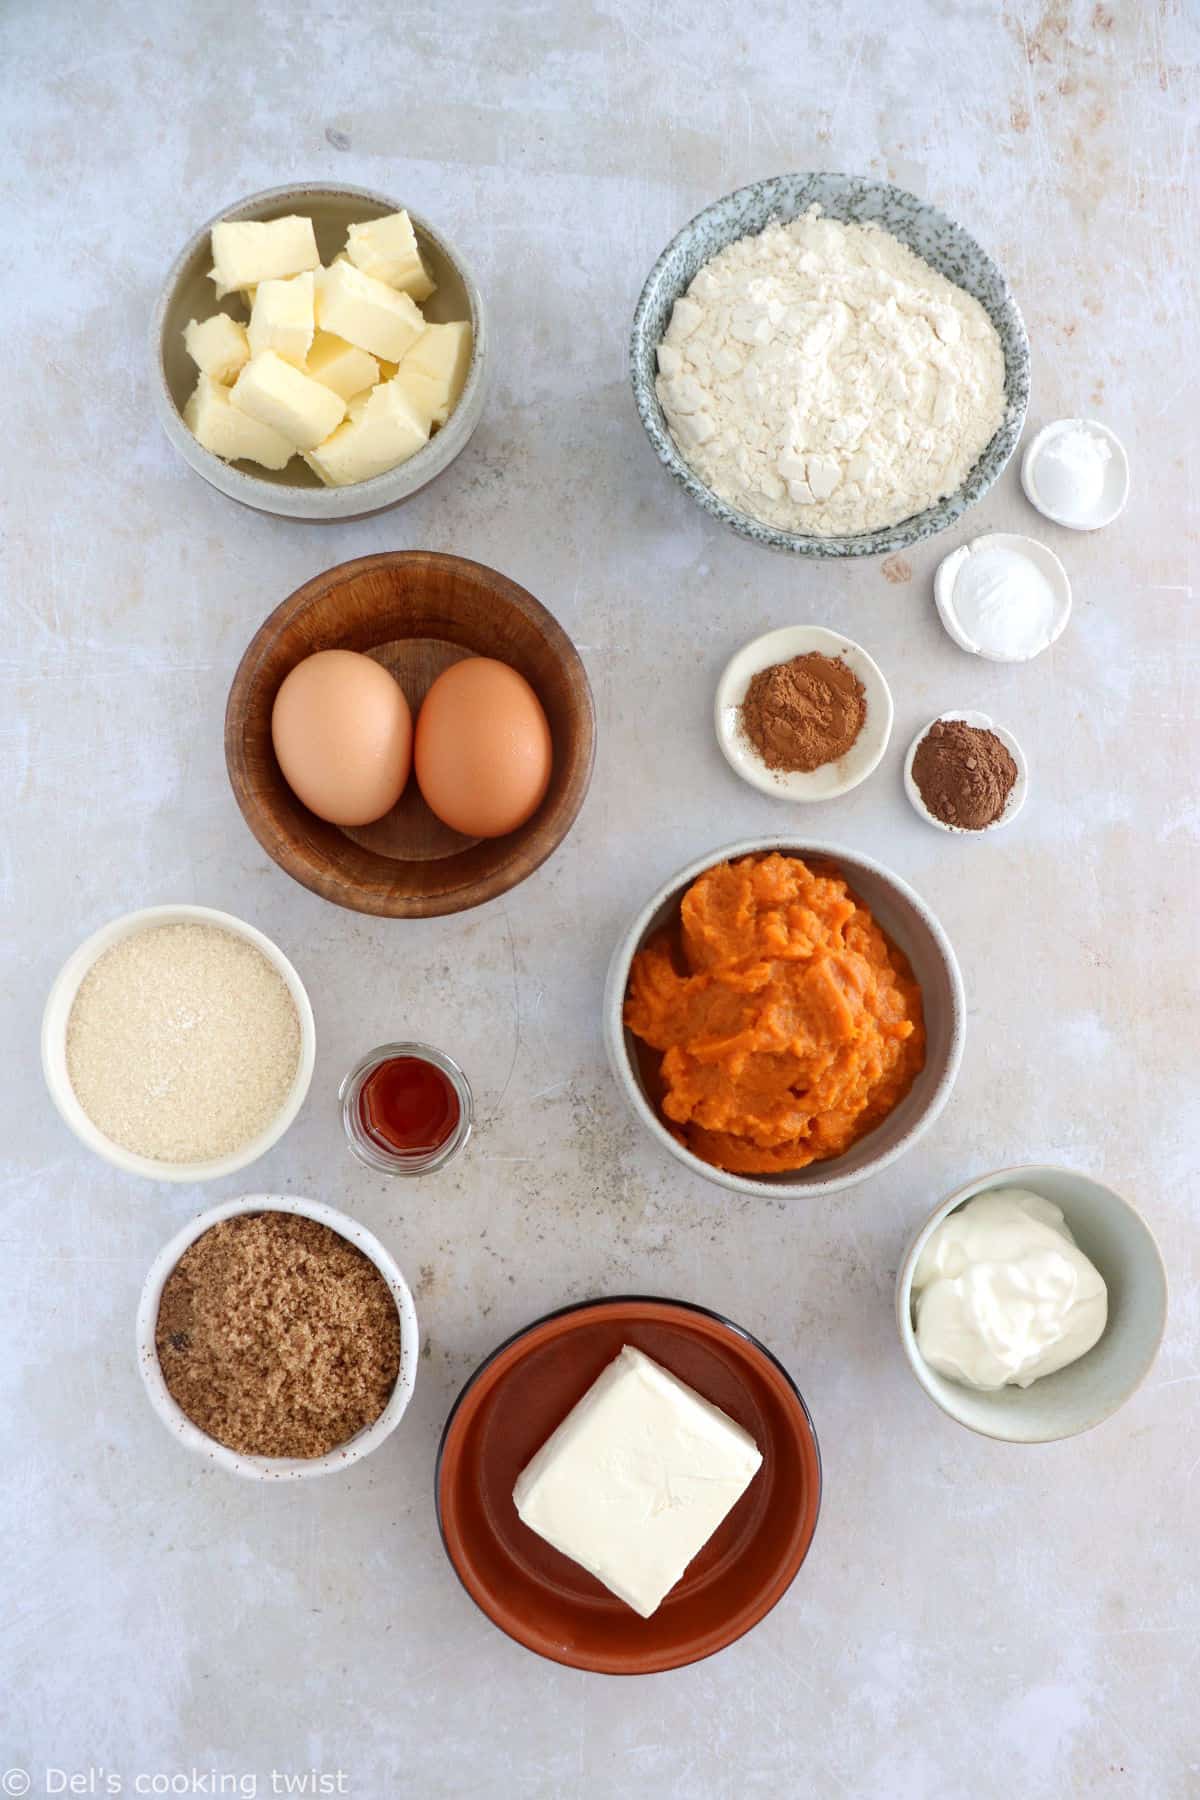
(342, 732)
(483, 753)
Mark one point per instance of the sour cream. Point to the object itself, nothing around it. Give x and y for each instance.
(1002, 1294)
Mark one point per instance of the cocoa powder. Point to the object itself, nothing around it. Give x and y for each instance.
(963, 774)
(278, 1337)
(801, 714)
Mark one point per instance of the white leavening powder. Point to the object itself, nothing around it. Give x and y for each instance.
(182, 1043)
(824, 379)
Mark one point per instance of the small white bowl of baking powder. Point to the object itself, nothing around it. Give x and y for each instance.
(119, 1041)
(1076, 472)
(1003, 596)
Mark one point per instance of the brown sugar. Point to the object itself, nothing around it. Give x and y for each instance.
(804, 713)
(278, 1337)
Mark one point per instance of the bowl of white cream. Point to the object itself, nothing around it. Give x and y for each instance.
(1031, 1304)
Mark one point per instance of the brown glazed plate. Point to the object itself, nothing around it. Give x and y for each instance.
(541, 1598)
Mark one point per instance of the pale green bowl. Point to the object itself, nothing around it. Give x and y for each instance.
(1118, 1240)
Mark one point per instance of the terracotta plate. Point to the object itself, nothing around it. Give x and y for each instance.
(541, 1598)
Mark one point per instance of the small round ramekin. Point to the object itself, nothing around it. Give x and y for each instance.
(1017, 794)
(276, 1468)
(61, 999)
(831, 779)
(1114, 1235)
(399, 1162)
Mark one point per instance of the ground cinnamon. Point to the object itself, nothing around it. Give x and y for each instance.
(277, 1336)
(963, 774)
(801, 714)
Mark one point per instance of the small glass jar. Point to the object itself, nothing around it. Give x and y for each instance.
(370, 1148)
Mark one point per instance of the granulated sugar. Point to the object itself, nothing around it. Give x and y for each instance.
(183, 1042)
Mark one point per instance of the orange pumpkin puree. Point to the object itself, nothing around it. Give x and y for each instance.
(787, 1024)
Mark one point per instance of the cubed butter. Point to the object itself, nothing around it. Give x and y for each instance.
(636, 1479)
(219, 426)
(341, 366)
(387, 249)
(217, 346)
(300, 409)
(247, 251)
(367, 312)
(381, 431)
(435, 369)
(282, 319)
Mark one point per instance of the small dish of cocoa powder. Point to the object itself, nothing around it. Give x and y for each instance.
(278, 1338)
(964, 773)
(803, 713)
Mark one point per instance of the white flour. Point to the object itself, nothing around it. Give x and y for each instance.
(824, 379)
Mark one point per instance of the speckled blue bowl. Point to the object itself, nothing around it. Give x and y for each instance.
(854, 200)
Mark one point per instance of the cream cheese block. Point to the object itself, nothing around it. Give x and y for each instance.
(247, 251)
(293, 404)
(367, 312)
(218, 346)
(341, 366)
(218, 426)
(381, 431)
(387, 249)
(282, 318)
(636, 1479)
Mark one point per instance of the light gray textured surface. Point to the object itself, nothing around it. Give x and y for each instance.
(973, 1618)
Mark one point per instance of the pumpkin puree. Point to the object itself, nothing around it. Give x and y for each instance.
(787, 1024)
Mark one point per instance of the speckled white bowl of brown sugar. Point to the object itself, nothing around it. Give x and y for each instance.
(276, 1468)
(267, 1114)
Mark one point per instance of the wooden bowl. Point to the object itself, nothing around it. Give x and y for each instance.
(416, 612)
(542, 1598)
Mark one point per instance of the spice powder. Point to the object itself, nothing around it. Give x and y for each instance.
(800, 715)
(277, 1337)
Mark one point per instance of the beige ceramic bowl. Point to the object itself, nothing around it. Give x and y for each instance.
(295, 492)
(1120, 1243)
(908, 922)
(275, 1468)
(56, 1017)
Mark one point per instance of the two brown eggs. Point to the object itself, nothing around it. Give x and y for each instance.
(345, 740)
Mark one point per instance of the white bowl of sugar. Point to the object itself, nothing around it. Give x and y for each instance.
(178, 1043)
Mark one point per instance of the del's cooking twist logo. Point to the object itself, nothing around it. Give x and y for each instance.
(96, 1779)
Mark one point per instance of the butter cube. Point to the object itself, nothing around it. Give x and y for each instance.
(247, 251)
(387, 249)
(636, 1479)
(217, 346)
(341, 366)
(435, 369)
(381, 431)
(281, 318)
(300, 409)
(367, 312)
(217, 424)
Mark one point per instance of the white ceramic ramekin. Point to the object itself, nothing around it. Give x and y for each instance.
(833, 778)
(54, 1044)
(1120, 1243)
(276, 1468)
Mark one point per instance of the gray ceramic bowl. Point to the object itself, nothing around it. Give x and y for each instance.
(854, 200)
(295, 492)
(907, 920)
(1118, 1240)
